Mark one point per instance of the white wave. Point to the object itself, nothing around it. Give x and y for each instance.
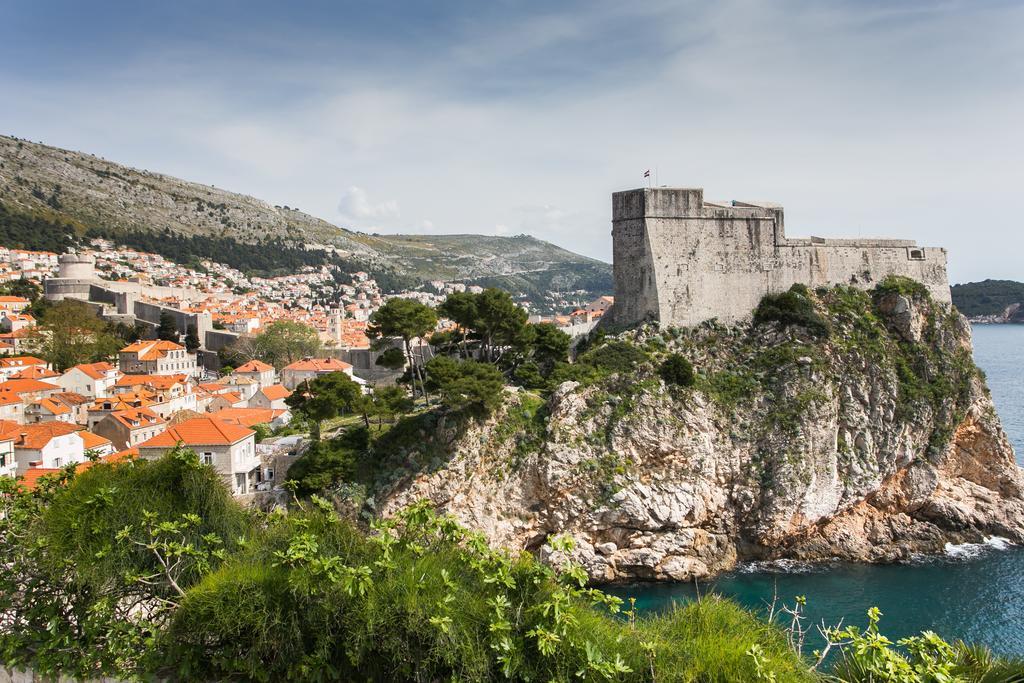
(963, 551)
(782, 566)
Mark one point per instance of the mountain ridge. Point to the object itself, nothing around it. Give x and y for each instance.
(86, 192)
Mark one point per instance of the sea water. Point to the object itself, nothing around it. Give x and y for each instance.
(973, 592)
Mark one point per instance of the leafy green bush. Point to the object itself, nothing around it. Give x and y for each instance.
(95, 563)
(867, 656)
(792, 307)
(898, 284)
(616, 356)
(328, 462)
(466, 386)
(677, 370)
(423, 600)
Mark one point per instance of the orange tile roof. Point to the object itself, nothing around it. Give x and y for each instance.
(70, 398)
(23, 386)
(126, 401)
(154, 381)
(151, 350)
(247, 417)
(254, 366)
(8, 299)
(229, 396)
(55, 407)
(36, 436)
(199, 431)
(144, 416)
(30, 479)
(94, 370)
(34, 372)
(318, 365)
(90, 440)
(18, 361)
(275, 391)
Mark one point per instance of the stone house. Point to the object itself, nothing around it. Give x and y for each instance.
(95, 380)
(156, 357)
(228, 448)
(129, 428)
(310, 368)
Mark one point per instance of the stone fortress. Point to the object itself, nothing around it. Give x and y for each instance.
(680, 260)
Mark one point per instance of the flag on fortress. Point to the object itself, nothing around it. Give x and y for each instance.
(647, 173)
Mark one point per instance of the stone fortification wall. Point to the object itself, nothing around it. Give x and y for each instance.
(680, 260)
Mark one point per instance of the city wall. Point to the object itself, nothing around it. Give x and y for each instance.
(681, 260)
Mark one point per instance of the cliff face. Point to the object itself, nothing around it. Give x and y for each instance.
(870, 441)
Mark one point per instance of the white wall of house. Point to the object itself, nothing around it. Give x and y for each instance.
(264, 379)
(237, 463)
(58, 452)
(8, 463)
(77, 381)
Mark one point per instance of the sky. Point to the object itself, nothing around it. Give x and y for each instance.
(863, 118)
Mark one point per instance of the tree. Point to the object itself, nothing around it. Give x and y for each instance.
(23, 288)
(168, 328)
(192, 342)
(71, 334)
(500, 323)
(406, 319)
(550, 346)
(466, 386)
(284, 342)
(392, 359)
(461, 309)
(390, 402)
(325, 397)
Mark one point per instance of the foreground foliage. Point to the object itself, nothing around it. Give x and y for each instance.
(150, 570)
(174, 579)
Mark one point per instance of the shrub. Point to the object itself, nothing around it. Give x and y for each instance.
(328, 462)
(792, 307)
(424, 600)
(616, 356)
(466, 386)
(677, 370)
(898, 284)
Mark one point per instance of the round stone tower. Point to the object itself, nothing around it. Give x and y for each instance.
(77, 266)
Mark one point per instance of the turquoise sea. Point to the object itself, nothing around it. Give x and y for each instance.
(974, 592)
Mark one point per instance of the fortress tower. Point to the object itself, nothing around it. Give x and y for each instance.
(77, 266)
(680, 260)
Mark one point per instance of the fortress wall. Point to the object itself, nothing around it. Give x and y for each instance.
(681, 260)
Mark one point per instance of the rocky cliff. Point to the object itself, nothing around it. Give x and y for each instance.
(864, 433)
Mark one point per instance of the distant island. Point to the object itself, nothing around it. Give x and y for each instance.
(990, 301)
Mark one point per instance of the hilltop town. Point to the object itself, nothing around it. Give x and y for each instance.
(154, 393)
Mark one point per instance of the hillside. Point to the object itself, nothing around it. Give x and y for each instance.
(1000, 300)
(47, 192)
(862, 432)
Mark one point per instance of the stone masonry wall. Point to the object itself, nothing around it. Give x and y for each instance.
(680, 260)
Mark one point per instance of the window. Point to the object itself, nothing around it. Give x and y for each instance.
(56, 462)
(915, 254)
(207, 458)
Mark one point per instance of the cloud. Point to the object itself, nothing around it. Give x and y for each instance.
(355, 208)
(861, 117)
